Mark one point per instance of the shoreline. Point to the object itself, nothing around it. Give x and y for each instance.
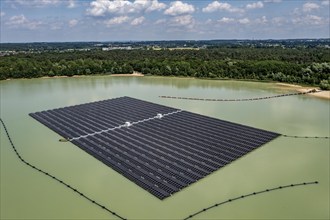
(283, 86)
(130, 74)
(321, 94)
(78, 76)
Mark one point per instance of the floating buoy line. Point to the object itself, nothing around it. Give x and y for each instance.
(248, 195)
(122, 218)
(284, 135)
(55, 178)
(307, 137)
(241, 99)
(255, 99)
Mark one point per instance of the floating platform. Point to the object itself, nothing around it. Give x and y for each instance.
(161, 149)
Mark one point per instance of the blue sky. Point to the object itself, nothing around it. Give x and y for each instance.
(124, 20)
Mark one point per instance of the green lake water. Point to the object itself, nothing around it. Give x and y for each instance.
(27, 194)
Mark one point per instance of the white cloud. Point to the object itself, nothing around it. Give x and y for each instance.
(102, 7)
(209, 21)
(179, 8)
(272, 1)
(310, 6)
(20, 21)
(244, 21)
(56, 25)
(73, 22)
(325, 2)
(262, 20)
(219, 6)
(17, 20)
(184, 21)
(2, 14)
(45, 3)
(278, 21)
(37, 3)
(147, 5)
(156, 6)
(226, 20)
(296, 11)
(71, 3)
(138, 21)
(160, 21)
(314, 19)
(309, 20)
(255, 5)
(296, 20)
(116, 20)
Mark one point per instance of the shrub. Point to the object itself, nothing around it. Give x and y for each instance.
(325, 84)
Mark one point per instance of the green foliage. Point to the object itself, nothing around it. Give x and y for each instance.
(304, 65)
(325, 84)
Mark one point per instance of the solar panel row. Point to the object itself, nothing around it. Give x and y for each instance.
(162, 155)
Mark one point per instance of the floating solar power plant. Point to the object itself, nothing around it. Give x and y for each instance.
(159, 148)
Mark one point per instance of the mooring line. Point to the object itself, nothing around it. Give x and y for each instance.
(125, 125)
(248, 195)
(122, 218)
(307, 137)
(240, 100)
(55, 178)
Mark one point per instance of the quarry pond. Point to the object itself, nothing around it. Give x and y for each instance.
(27, 194)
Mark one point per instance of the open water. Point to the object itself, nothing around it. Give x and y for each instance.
(27, 194)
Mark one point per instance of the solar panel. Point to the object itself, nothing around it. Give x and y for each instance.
(161, 149)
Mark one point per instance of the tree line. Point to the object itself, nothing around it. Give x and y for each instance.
(309, 66)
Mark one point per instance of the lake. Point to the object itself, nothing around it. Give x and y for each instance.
(27, 194)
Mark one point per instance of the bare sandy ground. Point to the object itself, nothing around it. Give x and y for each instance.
(133, 74)
(322, 94)
(76, 76)
(52, 77)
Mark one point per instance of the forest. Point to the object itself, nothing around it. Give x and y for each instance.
(303, 65)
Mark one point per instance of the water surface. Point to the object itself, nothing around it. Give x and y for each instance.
(26, 194)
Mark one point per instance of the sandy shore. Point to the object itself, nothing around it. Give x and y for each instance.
(288, 85)
(52, 77)
(77, 76)
(133, 74)
(321, 94)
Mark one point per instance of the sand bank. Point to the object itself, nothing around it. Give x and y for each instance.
(321, 94)
(132, 74)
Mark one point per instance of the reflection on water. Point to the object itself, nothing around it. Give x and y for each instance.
(27, 194)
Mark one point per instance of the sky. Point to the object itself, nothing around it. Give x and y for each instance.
(144, 20)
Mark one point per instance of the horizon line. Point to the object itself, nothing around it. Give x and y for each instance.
(136, 41)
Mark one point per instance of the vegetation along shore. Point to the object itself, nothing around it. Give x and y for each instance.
(297, 64)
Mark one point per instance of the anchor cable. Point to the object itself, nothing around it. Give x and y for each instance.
(307, 137)
(241, 99)
(248, 195)
(55, 178)
(122, 218)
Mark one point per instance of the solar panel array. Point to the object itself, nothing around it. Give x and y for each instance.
(164, 154)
